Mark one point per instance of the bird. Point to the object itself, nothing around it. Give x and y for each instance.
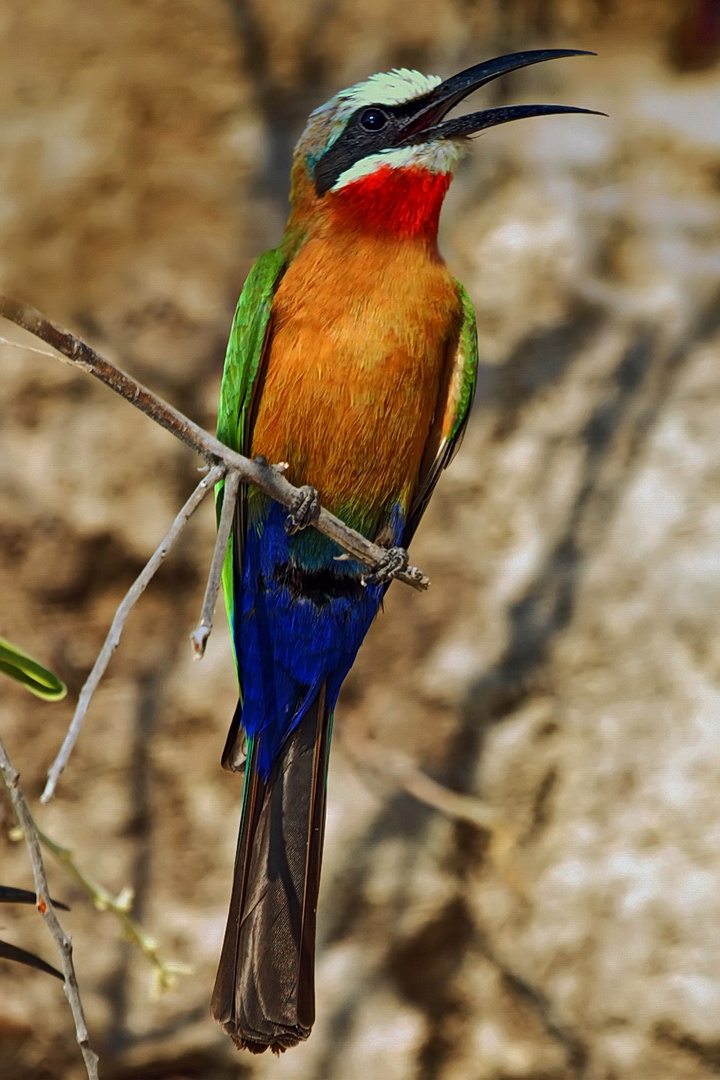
(352, 358)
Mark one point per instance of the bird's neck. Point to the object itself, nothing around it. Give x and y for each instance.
(398, 202)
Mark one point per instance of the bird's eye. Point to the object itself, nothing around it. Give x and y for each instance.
(373, 119)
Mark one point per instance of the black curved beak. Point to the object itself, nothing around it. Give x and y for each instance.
(424, 125)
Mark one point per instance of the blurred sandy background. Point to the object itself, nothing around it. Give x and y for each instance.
(564, 666)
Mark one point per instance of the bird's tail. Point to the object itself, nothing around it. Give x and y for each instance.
(264, 992)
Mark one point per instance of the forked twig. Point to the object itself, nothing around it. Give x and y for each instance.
(45, 906)
(223, 462)
(258, 472)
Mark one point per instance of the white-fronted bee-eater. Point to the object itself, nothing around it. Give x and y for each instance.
(353, 358)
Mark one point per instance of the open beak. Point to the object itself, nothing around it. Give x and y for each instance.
(425, 123)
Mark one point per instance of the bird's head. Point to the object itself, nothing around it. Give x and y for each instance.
(380, 155)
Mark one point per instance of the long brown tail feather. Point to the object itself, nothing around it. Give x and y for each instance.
(264, 992)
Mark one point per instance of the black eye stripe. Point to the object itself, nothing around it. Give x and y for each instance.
(356, 142)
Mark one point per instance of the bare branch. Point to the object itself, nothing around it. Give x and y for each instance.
(202, 631)
(257, 472)
(45, 906)
(113, 638)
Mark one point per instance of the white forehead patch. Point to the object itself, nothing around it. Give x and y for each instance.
(440, 156)
(386, 88)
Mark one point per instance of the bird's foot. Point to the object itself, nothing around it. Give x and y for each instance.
(303, 511)
(393, 562)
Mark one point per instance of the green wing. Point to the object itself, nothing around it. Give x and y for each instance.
(245, 347)
(245, 350)
(452, 413)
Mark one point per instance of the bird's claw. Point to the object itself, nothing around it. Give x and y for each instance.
(393, 562)
(303, 511)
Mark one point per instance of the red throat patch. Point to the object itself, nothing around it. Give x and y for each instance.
(404, 201)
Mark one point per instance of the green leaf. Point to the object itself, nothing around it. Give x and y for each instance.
(38, 680)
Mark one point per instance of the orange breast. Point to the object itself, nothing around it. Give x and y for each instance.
(359, 340)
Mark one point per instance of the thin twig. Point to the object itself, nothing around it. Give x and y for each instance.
(202, 631)
(45, 906)
(111, 641)
(28, 348)
(121, 907)
(258, 472)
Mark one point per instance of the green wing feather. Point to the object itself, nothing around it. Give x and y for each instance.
(452, 415)
(243, 358)
(464, 382)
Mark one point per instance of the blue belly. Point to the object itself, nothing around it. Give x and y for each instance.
(299, 621)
